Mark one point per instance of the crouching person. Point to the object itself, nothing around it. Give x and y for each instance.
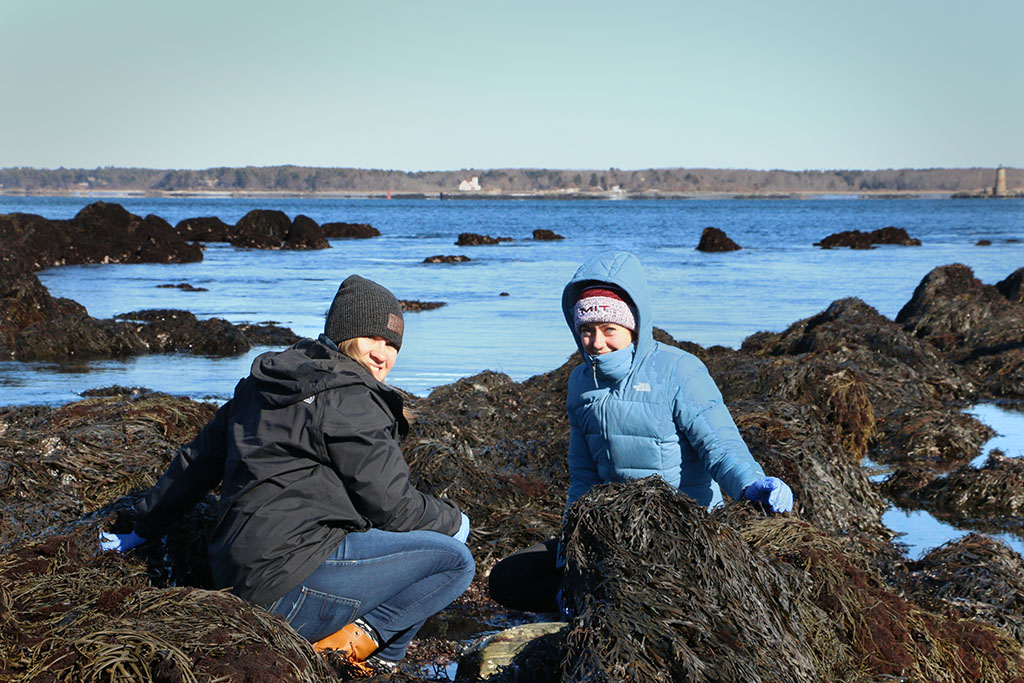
(317, 518)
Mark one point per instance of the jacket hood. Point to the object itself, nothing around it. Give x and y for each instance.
(304, 369)
(622, 269)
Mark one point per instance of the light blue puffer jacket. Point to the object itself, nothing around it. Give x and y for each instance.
(649, 408)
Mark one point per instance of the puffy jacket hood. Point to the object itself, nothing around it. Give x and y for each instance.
(622, 269)
(303, 370)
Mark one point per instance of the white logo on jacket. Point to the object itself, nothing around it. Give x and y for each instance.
(642, 386)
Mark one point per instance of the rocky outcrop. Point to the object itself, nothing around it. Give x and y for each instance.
(472, 239)
(713, 239)
(978, 326)
(855, 239)
(349, 230)
(458, 258)
(99, 233)
(545, 235)
(410, 306)
(205, 229)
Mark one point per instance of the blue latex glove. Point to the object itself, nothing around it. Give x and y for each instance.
(120, 542)
(563, 605)
(463, 533)
(771, 491)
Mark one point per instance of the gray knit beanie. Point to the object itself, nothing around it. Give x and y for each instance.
(362, 308)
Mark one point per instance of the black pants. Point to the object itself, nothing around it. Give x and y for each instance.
(528, 580)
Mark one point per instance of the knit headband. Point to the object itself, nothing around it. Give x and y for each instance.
(603, 305)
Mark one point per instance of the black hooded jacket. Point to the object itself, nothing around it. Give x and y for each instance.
(306, 451)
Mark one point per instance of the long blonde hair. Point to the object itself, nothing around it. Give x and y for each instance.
(350, 347)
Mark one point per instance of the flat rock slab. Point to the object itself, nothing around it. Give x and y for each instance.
(487, 656)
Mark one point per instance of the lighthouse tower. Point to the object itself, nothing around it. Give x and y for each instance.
(1000, 189)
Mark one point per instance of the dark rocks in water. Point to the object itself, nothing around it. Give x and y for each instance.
(268, 334)
(184, 286)
(545, 235)
(269, 229)
(205, 229)
(165, 331)
(305, 233)
(458, 258)
(349, 230)
(983, 243)
(978, 326)
(99, 233)
(472, 239)
(855, 239)
(713, 239)
(410, 306)
(995, 491)
(262, 229)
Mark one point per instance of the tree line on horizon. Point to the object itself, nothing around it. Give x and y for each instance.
(304, 179)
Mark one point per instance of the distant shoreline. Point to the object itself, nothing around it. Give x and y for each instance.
(480, 195)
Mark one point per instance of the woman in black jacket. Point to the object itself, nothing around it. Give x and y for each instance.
(318, 520)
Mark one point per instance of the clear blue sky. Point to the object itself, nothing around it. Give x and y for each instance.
(425, 85)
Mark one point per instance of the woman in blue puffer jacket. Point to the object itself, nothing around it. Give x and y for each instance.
(636, 407)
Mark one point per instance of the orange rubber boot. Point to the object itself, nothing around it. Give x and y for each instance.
(354, 639)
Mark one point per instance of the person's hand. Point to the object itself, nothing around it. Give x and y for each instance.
(771, 491)
(463, 533)
(563, 604)
(120, 542)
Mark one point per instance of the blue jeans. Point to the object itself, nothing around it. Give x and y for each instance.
(395, 581)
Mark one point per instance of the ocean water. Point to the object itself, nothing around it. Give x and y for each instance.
(502, 309)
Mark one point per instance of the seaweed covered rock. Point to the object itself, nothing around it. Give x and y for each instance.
(852, 332)
(305, 233)
(861, 628)
(545, 235)
(641, 557)
(70, 616)
(100, 233)
(349, 230)
(205, 229)
(441, 258)
(855, 239)
(713, 239)
(472, 239)
(975, 575)
(57, 464)
(978, 326)
(271, 229)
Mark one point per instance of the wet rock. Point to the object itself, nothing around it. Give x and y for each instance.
(184, 286)
(487, 656)
(305, 233)
(165, 331)
(99, 233)
(458, 258)
(411, 306)
(978, 326)
(713, 239)
(995, 490)
(855, 239)
(545, 235)
(472, 239)
(349, 230)
(268, 334)
(262, 229)
(983, 243)
(938, 438)
(205, 229)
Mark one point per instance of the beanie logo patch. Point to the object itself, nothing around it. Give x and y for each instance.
(396, 324)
